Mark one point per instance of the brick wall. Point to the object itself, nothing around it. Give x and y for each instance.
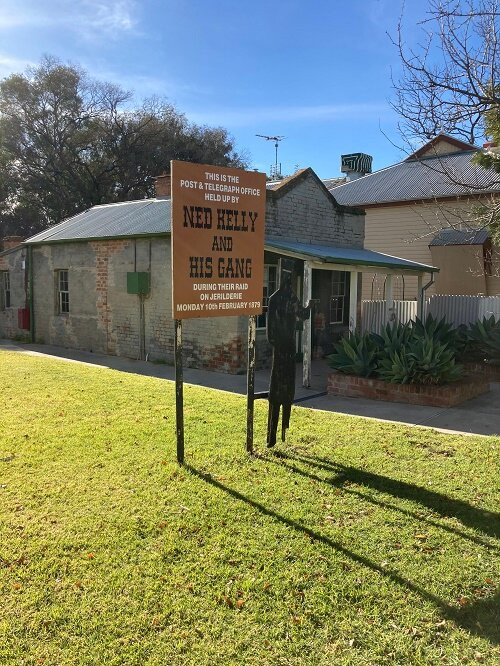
(415, 394)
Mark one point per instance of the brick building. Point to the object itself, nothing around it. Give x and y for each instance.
(73, 278)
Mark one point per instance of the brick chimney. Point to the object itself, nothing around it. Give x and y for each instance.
(163, 185)
(9, 242)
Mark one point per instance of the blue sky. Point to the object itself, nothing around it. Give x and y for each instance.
(317, 72)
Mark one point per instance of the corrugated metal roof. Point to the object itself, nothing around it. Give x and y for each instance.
(131, 218)
(458, 237)
(414, 180)
(346, 255)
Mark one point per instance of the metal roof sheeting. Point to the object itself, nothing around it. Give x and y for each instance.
(346, 255)
(132, 218)
(415, 180)
(458, 237)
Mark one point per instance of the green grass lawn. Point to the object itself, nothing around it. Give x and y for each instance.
(354, 543)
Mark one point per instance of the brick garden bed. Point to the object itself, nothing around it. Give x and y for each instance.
(435, 396)
(491, 372)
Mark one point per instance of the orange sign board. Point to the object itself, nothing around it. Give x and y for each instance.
(218, 220)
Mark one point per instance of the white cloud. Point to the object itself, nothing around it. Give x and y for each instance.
(87, 18)
(250, 116)
(9, 65)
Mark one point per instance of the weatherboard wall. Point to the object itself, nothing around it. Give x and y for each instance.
(406, 231)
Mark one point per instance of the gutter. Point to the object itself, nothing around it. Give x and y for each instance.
(422, 293)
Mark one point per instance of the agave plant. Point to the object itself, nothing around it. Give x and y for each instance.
(466, 348)
(438, 330)
(423, 361)
(393, 337)
(397, 367)
(357, 354)
(485, 335)
(434, 362)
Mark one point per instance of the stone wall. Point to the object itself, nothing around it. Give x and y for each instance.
(307, 213)
(104, 318)
(14, 261)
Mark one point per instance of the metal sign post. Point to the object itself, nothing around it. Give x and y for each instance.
(252, 325)
(179, 392)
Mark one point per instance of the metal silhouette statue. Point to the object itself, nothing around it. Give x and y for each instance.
(283, 312)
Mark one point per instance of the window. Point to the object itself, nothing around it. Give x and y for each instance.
(270, 286)
(337, 298)
(63, 292)
(5, 301)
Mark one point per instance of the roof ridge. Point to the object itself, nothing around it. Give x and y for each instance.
(373, 173)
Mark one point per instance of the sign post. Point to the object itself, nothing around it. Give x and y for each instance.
(218, 223)
(179, 390)
(252, 326)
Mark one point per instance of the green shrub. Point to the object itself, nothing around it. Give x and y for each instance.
(485, 336)
(434, 362)
(424, 361)
(420, 353)
(393, 337)
(357, 355)
(436, 329)
(397, 367)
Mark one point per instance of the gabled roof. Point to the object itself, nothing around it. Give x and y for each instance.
(131, 218)
(276, 189)
(430, 147)
(436, 177)
(459, 237)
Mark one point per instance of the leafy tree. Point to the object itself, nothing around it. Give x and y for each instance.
(68, 142)
(450, 82)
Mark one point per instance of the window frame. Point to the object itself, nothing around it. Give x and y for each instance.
(63, 302)
(6, 296)
(337, 296)
(262, 318)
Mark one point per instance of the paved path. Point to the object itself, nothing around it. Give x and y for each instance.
(477, 416)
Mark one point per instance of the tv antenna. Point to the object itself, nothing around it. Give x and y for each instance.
(276, 140)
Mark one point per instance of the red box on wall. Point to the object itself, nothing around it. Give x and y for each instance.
(23, 319)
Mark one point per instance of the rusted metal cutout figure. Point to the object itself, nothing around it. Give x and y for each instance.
(283, 312)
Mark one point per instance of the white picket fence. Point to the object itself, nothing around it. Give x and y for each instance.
(456, 310)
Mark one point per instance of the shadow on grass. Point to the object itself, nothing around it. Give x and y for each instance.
(478, 618)
(487, 522)
(279, 458)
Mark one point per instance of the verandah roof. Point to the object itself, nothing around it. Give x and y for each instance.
(328, 254)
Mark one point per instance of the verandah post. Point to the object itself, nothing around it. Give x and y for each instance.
(306, 338)
(353, 302)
